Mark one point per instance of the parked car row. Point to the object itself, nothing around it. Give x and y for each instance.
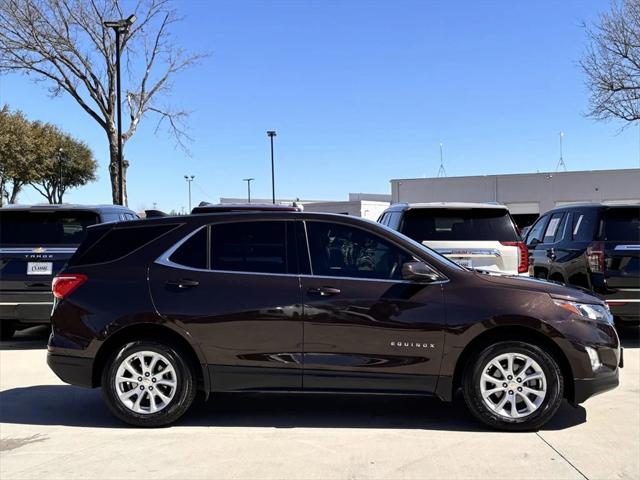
(277, 300)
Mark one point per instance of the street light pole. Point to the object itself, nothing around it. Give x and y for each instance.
(271, 134)
(120, 27)
(248, 180)
(189, 179)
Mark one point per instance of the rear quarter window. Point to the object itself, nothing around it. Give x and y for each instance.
(119, 242)
(621, 224)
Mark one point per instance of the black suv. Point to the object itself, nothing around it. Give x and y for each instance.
(35, 242)
(592, 246)
(157, 309)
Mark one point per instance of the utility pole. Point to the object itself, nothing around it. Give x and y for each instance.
(189, 179)
(271, 134)
(561, 163)
(441, 172)
(121, 27)
(248, 180)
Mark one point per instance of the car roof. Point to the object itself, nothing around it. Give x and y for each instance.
(66, 206)
(444, 205)
(240, 207)
(591, 205)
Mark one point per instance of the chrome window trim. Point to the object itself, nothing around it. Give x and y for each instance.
(13, 304)
(38, 250)
(163, 259)
(306, 241)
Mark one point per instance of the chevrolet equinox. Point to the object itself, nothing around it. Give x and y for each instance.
(155, 310)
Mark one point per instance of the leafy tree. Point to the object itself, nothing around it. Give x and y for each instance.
(612, 63)
(65, 43)
(17, 166)
(63, 162)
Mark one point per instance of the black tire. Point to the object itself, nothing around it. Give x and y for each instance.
(6, 330)
(185, 389)
(545, 411)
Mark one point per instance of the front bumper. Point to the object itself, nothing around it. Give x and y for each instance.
(585, 388)
(73, 370)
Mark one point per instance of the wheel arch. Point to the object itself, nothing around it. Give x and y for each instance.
(151, 331)
(517, 333)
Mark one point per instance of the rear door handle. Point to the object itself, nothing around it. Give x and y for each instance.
(183, 283)
(323, 291)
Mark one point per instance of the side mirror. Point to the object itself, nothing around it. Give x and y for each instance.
(419, 272)
(533, 242)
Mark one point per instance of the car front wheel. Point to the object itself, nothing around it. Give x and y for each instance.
(513, 385)
(148, 384)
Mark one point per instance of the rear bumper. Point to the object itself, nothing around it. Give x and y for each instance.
(73, 370)
(26, 307)
(624, 305)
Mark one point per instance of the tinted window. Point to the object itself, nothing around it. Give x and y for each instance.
(119, 242)
(621, 224)
(193, 252)
(536, 231)
(552, 228)
(249, 247)
(343, 251)
(44, 228)
(583, 226)
(459, 224)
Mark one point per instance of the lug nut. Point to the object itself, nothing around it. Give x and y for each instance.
(509, 377)
(519, 379)
(510, 392)
(150, 388)
(519, 389)
(146, 374)
(504, 385)
(153, 380)
(139, 379)
(141, 387)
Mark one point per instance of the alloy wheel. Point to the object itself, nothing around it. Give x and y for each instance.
(146, 382)
(513, 385)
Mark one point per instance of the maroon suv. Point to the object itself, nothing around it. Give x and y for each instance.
(155, 310)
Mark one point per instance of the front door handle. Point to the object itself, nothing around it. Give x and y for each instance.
(183, 283)
(551, 253)
(323, 291)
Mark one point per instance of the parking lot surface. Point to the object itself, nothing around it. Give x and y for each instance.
(52, 430)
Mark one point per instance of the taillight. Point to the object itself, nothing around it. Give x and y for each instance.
(595, 257)
(523, 255)
(63, 285)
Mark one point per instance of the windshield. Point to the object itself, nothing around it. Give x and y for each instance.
(424, 224)
(29, 228)
(622, 224)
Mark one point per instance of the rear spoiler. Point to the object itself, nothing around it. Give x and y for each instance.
(155, 214)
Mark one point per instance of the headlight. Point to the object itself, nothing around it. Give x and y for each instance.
(592, 311)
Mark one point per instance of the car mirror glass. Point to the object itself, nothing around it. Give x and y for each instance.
(418, 271)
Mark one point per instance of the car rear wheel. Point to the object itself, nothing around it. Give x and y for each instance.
(148, 384)
(513, 385)
(6, 331)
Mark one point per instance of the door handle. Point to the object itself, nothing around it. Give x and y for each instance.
(551, 253)
(183, 283)
(323, 291)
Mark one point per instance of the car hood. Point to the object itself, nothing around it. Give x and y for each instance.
(557, 290)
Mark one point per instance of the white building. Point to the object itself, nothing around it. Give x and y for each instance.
(365, 205)
(526, 195)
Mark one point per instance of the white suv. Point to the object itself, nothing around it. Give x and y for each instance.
(481, 236)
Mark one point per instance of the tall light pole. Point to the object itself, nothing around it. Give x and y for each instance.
(121, 27)
(248, 180)
(189, 179)
(271, 134)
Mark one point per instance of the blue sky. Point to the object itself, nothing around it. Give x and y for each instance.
(359, 92)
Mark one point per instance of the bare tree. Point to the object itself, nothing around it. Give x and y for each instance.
(65, 44)
(612, 63)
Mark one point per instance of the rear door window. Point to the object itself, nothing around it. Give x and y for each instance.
(193, 252)
(621, 224)
(552, 228)
(259, 247)
(33, 228)
(583, 226)
(459, 224)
